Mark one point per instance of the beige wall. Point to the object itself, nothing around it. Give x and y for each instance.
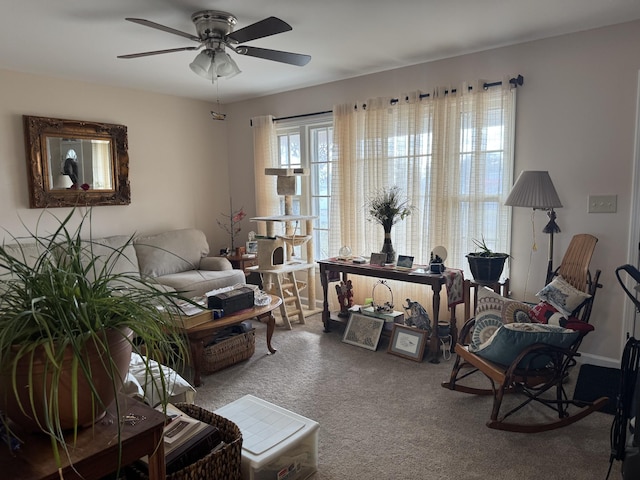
(177, 154)
(576, 118)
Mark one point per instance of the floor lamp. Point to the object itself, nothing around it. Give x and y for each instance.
(534, 189)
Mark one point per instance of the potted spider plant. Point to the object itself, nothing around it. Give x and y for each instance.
(485, 264)
(69, 320)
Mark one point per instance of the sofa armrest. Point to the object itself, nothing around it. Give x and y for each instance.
(215, 263)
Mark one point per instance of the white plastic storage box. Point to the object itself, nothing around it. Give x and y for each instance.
(276, 444)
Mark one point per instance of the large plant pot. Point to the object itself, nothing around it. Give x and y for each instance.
(103, 372)
(486, 269)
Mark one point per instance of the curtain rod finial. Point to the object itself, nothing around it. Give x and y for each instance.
(517, 81)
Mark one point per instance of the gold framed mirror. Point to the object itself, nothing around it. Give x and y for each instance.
(73, 162)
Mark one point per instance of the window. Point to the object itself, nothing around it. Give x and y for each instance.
(308, 144)
(452, 156)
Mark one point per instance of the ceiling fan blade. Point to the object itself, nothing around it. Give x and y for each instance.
(157, 52)
(263, 28)
(275, 55)
(149, 23)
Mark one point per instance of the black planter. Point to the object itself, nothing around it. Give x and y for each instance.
(486, 269)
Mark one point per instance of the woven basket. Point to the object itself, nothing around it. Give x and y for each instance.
(228, 352)
(223, 464)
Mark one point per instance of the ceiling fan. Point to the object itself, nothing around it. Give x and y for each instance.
(215, 33)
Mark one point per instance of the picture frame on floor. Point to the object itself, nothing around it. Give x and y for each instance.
(408, 342)
(363, 331)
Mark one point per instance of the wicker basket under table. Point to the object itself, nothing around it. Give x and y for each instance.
(223, 464)
(228, 352)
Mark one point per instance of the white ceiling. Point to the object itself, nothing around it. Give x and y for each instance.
(80, 39)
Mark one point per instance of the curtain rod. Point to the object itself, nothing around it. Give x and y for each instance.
(515, 81)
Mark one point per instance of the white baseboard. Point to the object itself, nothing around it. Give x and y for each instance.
(598, 360)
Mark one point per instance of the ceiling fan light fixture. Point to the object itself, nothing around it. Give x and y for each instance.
(201, 65)
(224, 65)
(215, 32)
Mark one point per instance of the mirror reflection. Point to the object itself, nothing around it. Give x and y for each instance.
(76, 163)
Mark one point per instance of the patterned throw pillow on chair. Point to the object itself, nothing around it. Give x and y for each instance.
(493, 311)
(563, 296)
(546, 313)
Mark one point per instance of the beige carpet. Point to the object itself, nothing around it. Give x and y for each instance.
(386, 417)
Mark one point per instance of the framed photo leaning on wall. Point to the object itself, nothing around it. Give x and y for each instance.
(363, 331)
(408, 342)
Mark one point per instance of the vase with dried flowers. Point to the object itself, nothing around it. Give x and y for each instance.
(232, 223)
(387, 207)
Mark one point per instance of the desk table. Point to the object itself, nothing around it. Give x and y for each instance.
(95, 453)
(332, 269)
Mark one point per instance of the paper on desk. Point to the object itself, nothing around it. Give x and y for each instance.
(190, 309)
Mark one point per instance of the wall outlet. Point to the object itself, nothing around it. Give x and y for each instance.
(603, 204)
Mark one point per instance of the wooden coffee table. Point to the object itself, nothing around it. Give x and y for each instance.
(203, 332)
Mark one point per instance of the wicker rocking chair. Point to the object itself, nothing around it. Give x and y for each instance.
(539, 371)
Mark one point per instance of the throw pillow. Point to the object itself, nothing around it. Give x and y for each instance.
(483, 329)
(492, 311)
(509, 340)
(563, 296)
(544, 312)
(547, 313)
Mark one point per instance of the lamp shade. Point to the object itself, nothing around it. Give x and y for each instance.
(224, 65)
(534, 189)
(212, 64)
(202, 64)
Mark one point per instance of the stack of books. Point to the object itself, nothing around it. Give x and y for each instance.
(186, 440)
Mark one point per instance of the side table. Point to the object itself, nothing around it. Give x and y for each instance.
(96, 452)
(242, 263)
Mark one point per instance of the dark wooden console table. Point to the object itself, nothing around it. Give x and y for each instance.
(334, 270)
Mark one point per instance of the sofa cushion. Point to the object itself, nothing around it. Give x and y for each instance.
(104, 251)
(27, 253)
(196, 283)
(171, 252)
(215, 263)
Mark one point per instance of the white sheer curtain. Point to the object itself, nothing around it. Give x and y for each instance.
(101, 165)
(265, 154)
(450, 153)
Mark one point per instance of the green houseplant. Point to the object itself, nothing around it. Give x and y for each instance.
(485, 264)
(69, 320)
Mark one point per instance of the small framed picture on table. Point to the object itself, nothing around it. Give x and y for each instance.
(404, 261)
(378, 259)
(408, 342)
(252, 247)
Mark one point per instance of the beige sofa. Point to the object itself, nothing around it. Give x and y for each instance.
(179, 259)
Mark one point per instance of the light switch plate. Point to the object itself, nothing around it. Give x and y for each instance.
(603, 204)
